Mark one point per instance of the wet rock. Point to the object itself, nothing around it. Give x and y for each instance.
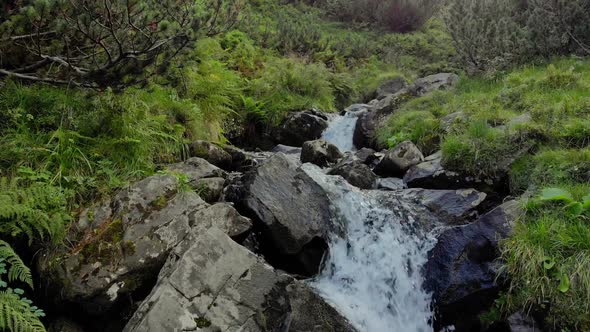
(428, 84)
(301, 127)
(286, 149)
(399, 159)
(462, 268)
(390, 87)
(222, 216)
(357, 108)
(290, 205)
(390, 184)
(121, 244)
(211, 152)
(320, 152)
(63, 324)
(453, 207)
(355, 172)
(218, 285)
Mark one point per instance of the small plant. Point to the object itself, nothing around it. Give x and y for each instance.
(17, 314)
(573, 207)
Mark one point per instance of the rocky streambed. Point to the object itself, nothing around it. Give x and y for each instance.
(320, 234)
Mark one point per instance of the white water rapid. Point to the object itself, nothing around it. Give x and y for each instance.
(340, 131)
(372, 275)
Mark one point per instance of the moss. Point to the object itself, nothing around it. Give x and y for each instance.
(159, 203)
(202, 322)
(105, 245)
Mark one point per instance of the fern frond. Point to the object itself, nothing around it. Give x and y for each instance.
(16, 315)
(18, 270)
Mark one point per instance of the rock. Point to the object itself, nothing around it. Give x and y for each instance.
(390, 102)
(462, 268)
(195, 169)
(399, 159)
(286, 149)
(364, 131)
(210, 189)
(448, 121)
(356, 173)
(519, 120)
(453, 207)
(320, 152)
(366, 155)
(213, 153)
(121, 244)
(218, 285)
(390, 87)
(222, 216)
(520, 322)
(390, 184)
(290, 205)
(357, 108)
(425, 85)
(430, 174)
(301, 127)
(63, 324)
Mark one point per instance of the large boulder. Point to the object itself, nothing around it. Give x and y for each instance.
(355, 172)
(301, 127)
(428, 84)
(320, 152)
(291, 206)
(366, 155)
(431, 174)
(399, 159)
(462, 268)
(452, 207)
(286, 149)
(218, 285)
(390, 87)
(121, 244)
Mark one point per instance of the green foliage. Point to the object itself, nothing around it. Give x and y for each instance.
(394, 15)
(548, 257)
(17, 314)
(34, 210)
(495, 34)
(100, 44)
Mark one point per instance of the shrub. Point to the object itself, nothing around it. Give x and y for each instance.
(394, 15)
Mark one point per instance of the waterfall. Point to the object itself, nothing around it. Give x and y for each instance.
(372, 274)
(340, 131)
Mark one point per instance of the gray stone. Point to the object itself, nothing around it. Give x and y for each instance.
(210, 189)
(218, 285)
(301, 127)
(195, 169)
(430, 174)
(222, 216)
(355, 172)
(366, 155)
(289, 203)
(126, 240)
(390, 87)
(399, 159)
(211, 152)
(520, 322)
(428, 84)
(448, 121)
(364, 130)
(286, 149)
(320, 152)
(390, 184)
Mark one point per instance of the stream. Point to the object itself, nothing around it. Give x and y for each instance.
(372, 275)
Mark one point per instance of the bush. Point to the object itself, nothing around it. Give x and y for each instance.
(393, 15)
(494, 34)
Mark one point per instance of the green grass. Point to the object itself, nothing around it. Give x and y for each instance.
(548, 260)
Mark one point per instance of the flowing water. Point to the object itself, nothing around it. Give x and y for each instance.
(340, 131)
(372, 274)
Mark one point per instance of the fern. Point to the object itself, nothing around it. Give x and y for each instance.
(36, 210)
(16, 312)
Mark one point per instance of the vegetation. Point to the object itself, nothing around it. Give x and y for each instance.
(93, 97)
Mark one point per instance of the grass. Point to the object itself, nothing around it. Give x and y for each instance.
(548, 259)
